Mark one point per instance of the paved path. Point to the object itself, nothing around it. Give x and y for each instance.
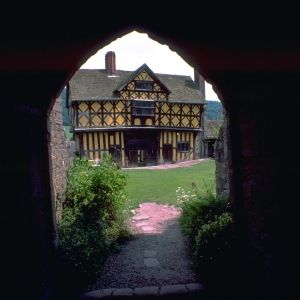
(151, 260)
(157, 256)
(172, 166)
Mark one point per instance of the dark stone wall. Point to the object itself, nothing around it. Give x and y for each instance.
(262, 175)
(60, 154)
(36, 157)
(27, 218)
(221, 159)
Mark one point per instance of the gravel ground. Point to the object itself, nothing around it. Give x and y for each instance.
(158, 254)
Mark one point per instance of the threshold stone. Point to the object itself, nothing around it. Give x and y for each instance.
(140, 217)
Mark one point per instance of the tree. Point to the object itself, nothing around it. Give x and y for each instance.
(214, 110)
(65, 113)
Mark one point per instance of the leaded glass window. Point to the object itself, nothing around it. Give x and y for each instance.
(143, 108)
(144, 85)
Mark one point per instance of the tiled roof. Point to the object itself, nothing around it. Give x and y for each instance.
(182, 88)
(96, 84)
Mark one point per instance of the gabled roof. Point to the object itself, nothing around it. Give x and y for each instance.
(96, 84)
(137, 72)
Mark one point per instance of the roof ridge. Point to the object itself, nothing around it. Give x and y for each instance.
(96, 83)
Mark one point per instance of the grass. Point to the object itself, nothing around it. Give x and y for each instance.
(160, 185)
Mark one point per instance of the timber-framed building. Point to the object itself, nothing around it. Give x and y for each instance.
(140, 117)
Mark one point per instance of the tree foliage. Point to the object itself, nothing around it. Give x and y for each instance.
(214, 110)
(65, 114)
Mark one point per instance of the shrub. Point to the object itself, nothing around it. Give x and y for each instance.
(84, 245)
(205, 220)
(92, 215)
(212, 239)
(198, 209)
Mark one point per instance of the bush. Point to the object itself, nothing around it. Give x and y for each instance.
(198, 210)
(212, 240)
(84, 245)
(92, 214)
(205, 220)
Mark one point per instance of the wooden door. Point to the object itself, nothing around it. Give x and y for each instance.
(133, 158)
(167, 153)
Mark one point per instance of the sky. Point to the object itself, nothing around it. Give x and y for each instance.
(135, 49)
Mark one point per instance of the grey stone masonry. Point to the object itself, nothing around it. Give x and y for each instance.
(198, 151)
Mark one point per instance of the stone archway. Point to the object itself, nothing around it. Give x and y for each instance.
(255, 68)
(252, 221)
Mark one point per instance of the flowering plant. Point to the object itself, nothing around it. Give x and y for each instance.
(182, 197)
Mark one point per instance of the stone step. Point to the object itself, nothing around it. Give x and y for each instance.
(140, 218)
(180, 291)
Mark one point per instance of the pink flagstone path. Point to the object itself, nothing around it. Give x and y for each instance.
(172, 166)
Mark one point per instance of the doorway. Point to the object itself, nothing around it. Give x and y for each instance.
(141, 148)
(167, 153)
(138, 158)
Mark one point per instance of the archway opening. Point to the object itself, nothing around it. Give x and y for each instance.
(176, 146)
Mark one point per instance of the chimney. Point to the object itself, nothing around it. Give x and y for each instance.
(110, 63)
(199, 80)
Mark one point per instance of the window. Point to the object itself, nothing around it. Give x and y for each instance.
(142, 108)
(144, 85)
(183, 146)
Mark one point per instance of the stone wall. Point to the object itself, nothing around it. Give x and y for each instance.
(221, 159)
(198, 147)
(264, 177)
(60, 154)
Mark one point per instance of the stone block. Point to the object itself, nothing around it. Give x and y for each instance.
(195, 287)
(126, 292)
(149, 291)
(98, 294)
(151, 262)
(172, 290)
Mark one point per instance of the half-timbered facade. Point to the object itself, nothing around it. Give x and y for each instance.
(141, 118)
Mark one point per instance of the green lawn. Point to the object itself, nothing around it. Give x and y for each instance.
(160, 185)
